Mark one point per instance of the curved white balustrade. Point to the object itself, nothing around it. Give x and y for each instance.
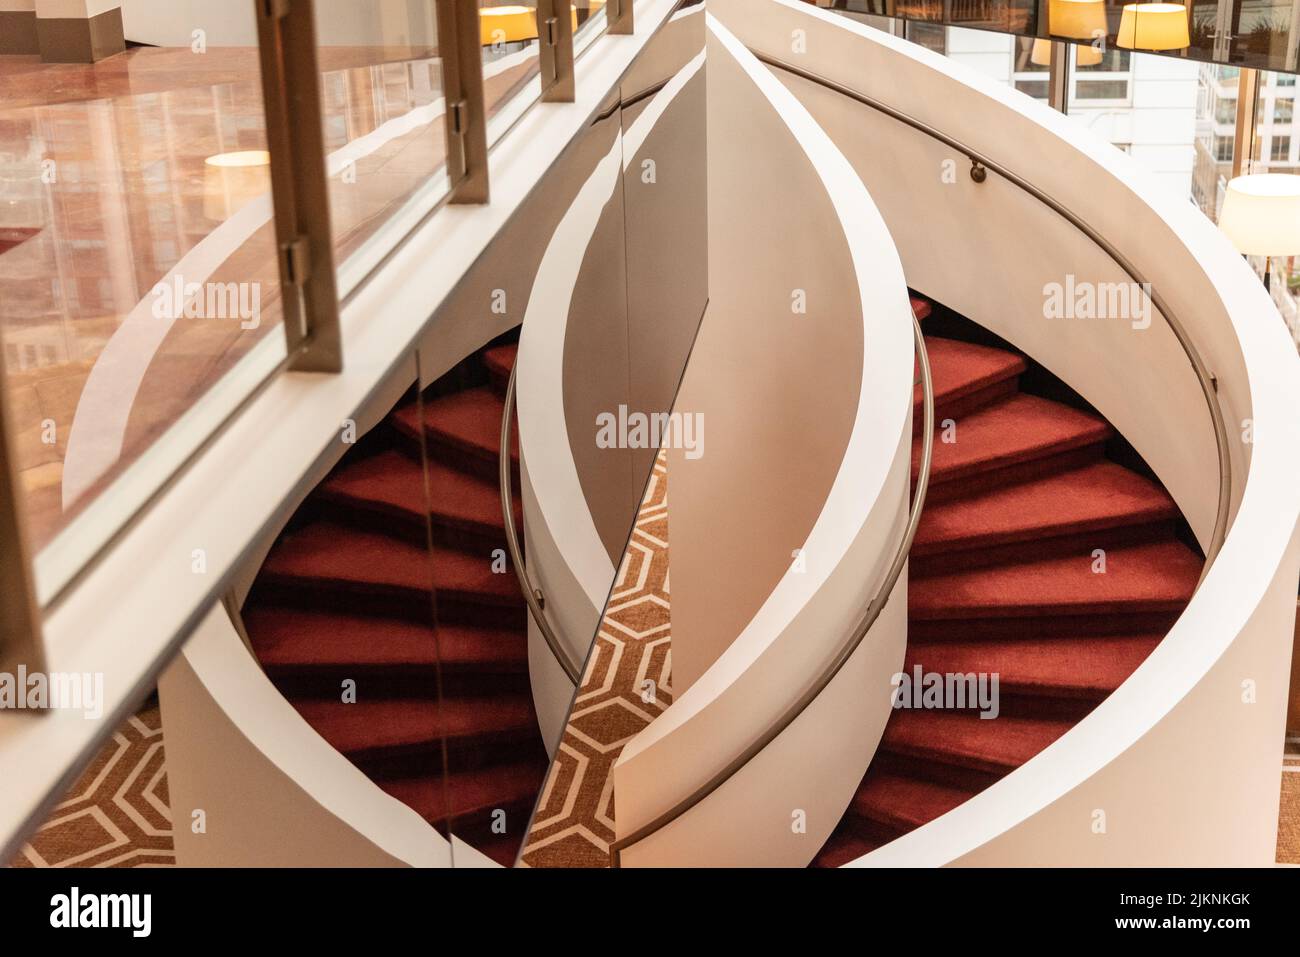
(781, 806)
(566, 556)
(1183, 758)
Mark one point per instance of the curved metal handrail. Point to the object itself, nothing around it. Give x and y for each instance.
(846, 650)
(532, 595)
(980, 163)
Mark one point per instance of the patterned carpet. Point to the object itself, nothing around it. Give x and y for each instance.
(625, 687)
(1288, 822)
(117, 815)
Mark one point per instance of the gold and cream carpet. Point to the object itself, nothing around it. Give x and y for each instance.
(626, 686)
(117, 815)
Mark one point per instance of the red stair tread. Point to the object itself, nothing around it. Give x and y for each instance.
(998, 745)
(469, 792)
(285, 638)
(1066, 667)
(960, 368)
(404, 722)
(905, 803)
(841, 848)
(500, 360)
(469, 421)
(331, 554)
(1095, 497)
(1017, 429)
(393, 483)
(1156, 577)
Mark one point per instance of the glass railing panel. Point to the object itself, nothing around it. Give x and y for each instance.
(383, 116)
(139, 292)
(509, 36)
(589, 22)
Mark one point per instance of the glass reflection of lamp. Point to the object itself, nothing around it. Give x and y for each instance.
(1153, 26)
(1084, 54)
(515, 23)
(1261, 215)
(1077, 19)
(231, 180)
(509, 24)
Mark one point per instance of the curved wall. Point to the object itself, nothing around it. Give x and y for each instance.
(808, 417)
(1204, 714)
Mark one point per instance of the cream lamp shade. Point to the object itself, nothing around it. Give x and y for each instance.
(1261, 214)
(1085, 54)
(516, 23)
(512, 24)
(1153, 26)
(231, 180)
(1077, 19)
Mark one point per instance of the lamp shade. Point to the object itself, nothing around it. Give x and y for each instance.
(1261, 214)
(1153, 26)
(1085, 54)
(511, 24)
(1077, 19)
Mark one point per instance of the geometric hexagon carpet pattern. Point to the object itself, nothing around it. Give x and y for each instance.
(117, 815)
(626, 685)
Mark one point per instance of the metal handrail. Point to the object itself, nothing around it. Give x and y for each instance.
(846, 649)
(532, 595)
(980, 164)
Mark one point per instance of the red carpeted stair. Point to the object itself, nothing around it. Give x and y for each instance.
(354, 591)
(1002, 580)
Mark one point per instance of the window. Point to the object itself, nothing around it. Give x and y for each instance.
(1280, 149)
(1286, 79)
(1106, 81)
(1283, 108)
(1223, 149)
(1225, 112)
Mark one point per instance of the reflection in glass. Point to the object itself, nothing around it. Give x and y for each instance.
(138, 271)
(381, 92)
(508, 33)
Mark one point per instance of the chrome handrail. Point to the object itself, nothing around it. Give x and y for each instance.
(532, 595)
(846, 650)
(981, 163)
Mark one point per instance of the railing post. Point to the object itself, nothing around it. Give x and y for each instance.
(619, 14)
(20, 618)
(1243, 146)
(1058, 77)
(460, 46)
(286, 32)
(555, 39)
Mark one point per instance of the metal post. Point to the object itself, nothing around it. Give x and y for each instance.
(555, 39)
(286, 33)
(20, 619)
(619, 13)
(1243, 146)
(1058, 77)
(460, 45)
